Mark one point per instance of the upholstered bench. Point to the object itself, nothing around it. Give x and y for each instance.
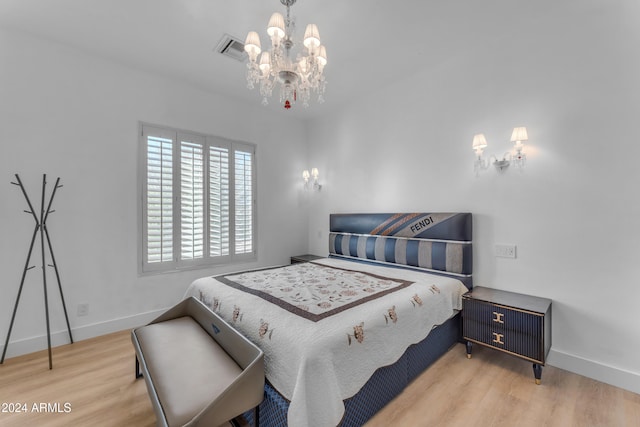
(199, 371)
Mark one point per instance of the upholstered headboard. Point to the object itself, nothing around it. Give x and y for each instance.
(438, 242)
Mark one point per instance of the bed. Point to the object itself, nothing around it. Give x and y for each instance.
(344, 335)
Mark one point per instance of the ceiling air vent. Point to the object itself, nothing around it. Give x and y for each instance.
(231, 47)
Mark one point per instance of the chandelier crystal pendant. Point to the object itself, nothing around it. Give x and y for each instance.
(298, 78)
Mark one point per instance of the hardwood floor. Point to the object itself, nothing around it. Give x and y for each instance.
(93, 384)
(495, 389)
(96, 377)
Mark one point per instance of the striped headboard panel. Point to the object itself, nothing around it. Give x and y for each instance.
(435, 242)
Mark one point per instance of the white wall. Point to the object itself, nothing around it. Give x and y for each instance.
(75, 116)
(571, 77)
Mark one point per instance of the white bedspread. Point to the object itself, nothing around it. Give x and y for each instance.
(333, 328)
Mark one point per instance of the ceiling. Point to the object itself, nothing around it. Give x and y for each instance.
(370, 43)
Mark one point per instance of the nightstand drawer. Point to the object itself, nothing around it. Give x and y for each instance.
(519, 343)
(506, 318)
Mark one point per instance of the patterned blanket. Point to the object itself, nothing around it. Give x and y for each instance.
(325, 327)
(314, 291)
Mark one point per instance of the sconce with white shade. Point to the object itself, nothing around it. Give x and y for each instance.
(479, 144)
(314, 174)
(519, 134)
(518, 158)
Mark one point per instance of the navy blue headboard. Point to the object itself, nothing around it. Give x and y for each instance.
(439, 242)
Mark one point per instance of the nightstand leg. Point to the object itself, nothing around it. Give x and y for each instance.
(537, 372)
(469, 348)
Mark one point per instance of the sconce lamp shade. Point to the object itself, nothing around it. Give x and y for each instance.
(314, 173)
(479, 142)
(519, 134)
(305, 175)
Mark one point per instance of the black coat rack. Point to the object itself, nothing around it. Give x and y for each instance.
(40, 226)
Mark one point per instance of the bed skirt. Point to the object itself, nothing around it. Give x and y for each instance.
(383, 386)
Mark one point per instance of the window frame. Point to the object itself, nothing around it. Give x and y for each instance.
(178, 136)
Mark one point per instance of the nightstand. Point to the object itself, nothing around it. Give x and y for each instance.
(513, 323)
(304, 258)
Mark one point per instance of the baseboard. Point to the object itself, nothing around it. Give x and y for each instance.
(33, 344)
(607, 374)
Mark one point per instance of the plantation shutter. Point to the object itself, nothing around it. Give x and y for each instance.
(197, 200)
(219, 202)
(243, 166)
(159, 197)
(192, 197)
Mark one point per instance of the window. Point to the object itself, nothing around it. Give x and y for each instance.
(198, 197)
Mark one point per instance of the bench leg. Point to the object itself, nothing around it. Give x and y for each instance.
(256, 417)
(138, 373)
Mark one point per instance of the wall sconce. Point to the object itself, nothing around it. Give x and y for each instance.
(518, 158)
(479, 144)
(519, 134)
(314, 173)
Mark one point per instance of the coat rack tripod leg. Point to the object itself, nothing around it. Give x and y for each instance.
(53, 259)
(55, 267)
(44, 269)
(15, 308)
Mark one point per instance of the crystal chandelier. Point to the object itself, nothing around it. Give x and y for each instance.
(298, 78)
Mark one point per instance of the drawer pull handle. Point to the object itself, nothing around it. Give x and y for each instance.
(497, 338)
(498, 317)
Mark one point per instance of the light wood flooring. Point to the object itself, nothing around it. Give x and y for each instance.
(93, 384)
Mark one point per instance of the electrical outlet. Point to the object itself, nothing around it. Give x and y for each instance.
(506, 251)
(83, 309)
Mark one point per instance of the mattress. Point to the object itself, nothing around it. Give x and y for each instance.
(326, 327)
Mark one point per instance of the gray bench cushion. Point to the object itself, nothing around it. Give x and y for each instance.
(188, 368)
